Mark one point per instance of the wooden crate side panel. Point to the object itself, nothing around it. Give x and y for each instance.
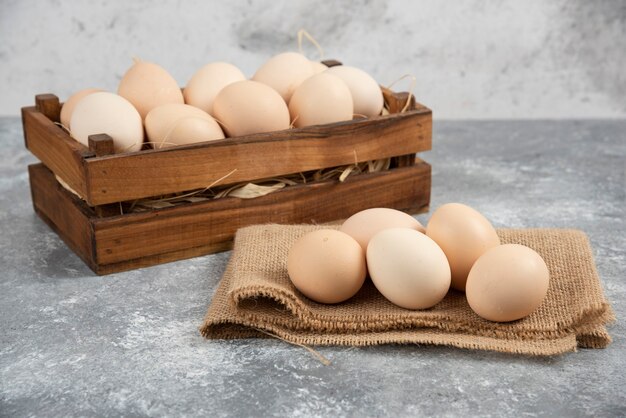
(155, 259)
(211, 225)
(62, 212)
(152, 173)
(52, 146)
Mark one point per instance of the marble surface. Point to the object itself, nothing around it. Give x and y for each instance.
(472, 59)
(72, 343)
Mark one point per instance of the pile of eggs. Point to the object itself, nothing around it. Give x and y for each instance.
(218, 102)
(414, 267)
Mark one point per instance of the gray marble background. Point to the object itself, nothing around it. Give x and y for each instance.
(472, 59)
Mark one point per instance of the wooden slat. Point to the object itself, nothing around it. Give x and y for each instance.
(183, 230)
(63, 212)
(163, 258)
(152, 173)
(52, 146)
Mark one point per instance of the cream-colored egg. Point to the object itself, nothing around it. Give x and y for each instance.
(366, 93)
(147, 85)
(180, 124)
(464, 235)
(363, 225)
(284, 73)
(507, 283)
(207, 82)
(108, 113)
(327, 266)
(408, 268)
(249, 107)
(318, 67)
(70, 104)
(322, 98)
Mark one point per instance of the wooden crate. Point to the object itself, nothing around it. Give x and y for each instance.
(109, 242)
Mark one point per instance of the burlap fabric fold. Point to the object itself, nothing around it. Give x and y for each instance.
(255, 298)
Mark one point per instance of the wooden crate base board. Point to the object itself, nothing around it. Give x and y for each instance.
(169, 257)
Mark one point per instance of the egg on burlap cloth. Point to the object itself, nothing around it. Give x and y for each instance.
(256, 299)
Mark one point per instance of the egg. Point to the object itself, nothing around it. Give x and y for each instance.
(108, 113)
(322, 98)
(464, 235)
(318, 67)
(207, 82)
(366, 93)
(68, 106)
(284, 73)
(507, 283)
(327, 266)
(180, 124)
(363, 225)
(408, 268)
(147, 85)
(249, 107)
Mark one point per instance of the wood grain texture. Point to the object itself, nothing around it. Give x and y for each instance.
(109, 241)
(168, 257)
(403, 161)
(49, 105)
(123, 242)
(207, 223)
(108, 210)
(396, 102)
(53, 146)
(113, 178)
(63, 212)
(152, 173)
(101, 145)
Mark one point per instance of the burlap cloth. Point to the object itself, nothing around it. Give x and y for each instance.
(255, 299)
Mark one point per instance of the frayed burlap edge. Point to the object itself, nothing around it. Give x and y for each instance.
(222, 322)
(307, 321)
